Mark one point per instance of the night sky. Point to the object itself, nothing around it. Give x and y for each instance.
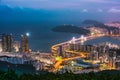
(82, 5)
(104, 10)
(38, 17)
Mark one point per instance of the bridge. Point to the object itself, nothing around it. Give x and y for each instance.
(55, 48)
(65, 45)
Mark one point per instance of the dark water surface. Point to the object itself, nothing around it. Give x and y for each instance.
(41, 37)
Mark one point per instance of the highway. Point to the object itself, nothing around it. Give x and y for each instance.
(80, 54)
(63, 60)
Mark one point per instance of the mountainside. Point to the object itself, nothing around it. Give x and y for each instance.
(97, 24)
(70, 29)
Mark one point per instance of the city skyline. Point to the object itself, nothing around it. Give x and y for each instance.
(62, 36)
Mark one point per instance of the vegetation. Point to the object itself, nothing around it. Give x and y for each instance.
(104, 75)
(70, 29)
(81, 30)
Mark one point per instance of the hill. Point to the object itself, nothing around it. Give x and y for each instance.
(97, 24)
(70, 29)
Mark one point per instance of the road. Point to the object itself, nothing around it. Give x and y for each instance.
(58, 63)
(80, 55)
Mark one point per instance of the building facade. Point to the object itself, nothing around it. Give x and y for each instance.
(25, 44)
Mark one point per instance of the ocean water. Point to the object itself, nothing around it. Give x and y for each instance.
(41, 36)
(39, 24)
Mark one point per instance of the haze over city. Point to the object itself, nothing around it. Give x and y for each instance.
(70, 10)
(59, 39)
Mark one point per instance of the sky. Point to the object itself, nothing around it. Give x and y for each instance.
(82, 5)
(107, 9)
(40, 13)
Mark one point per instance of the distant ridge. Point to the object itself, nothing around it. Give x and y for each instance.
(97, 24)
(115, 22)
(91, 22)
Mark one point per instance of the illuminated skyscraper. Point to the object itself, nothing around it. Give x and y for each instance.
(9, 43)
(25, 45)
(16, 46)
(4, 43)
(0, 45)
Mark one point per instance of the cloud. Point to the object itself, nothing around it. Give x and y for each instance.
(104, 1)
(99, 1)
(63, 4)
(114, 10)
(84, 10)
(100, 10)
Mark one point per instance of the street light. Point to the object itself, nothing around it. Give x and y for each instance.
(27, 34)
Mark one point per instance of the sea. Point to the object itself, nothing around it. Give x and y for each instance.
(42, 37)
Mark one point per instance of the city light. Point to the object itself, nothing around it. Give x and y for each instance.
(82, 37)
(74, 53)
(73, 39)
(27, 34)
(58, 58)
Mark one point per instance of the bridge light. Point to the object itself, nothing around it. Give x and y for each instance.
(82, 36)
(73, 40)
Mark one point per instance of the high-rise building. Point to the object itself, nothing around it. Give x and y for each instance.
(16, 46)
(9, 43)
(25, 44)
(61, 51)
(0, 45)
(4, 43)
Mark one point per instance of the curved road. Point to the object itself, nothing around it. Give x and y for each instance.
(78, 40)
